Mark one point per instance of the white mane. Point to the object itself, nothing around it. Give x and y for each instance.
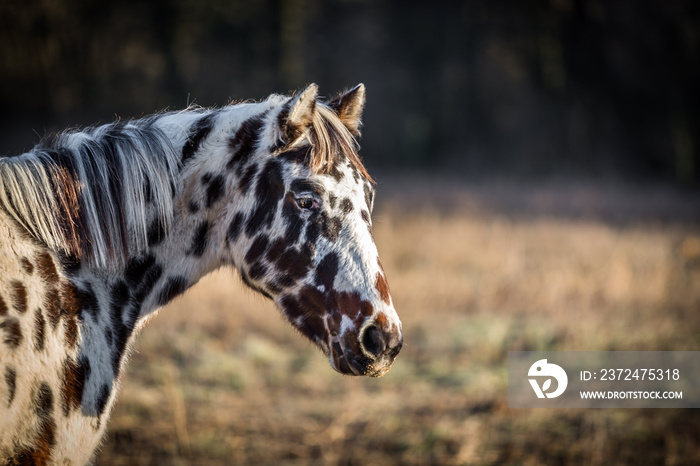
(88, 193)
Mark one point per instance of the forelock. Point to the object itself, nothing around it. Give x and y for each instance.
(330, 140)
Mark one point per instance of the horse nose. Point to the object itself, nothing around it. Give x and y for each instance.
(373, 341)
(379, 344)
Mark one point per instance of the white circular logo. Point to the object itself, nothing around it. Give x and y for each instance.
(545, 371)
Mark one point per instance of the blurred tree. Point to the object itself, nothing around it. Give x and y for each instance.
(527, 87)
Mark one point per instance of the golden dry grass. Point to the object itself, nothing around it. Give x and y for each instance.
(220, 378)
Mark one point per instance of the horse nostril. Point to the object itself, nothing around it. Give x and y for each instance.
(373, 341)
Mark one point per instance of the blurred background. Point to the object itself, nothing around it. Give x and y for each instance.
(519, 87)
(538, 167)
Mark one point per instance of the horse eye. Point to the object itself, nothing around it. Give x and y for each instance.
(306, 203)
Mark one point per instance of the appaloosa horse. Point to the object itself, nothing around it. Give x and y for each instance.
(101, 227)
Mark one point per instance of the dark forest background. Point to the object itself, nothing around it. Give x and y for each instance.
(527, 88)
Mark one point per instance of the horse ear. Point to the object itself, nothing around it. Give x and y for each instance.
(296, 118)
(349, 107)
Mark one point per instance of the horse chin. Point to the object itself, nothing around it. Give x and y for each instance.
(340, 362)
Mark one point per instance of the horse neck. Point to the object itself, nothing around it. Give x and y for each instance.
(205, 200)
(172, 260)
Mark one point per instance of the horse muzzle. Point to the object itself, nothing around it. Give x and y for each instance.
(369, 352)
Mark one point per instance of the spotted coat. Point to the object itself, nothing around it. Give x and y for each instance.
(100, 228)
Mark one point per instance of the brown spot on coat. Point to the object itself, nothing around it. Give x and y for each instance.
(314, 328)
(11, 381)
(383, 287)
(39, 330)
(71, 332)
(72, 390)
(331, 228)
(156, 232)
(27, 266)
(381, 321)
(3, 307)
(269, 190)
(68, 302)
(13, 332)
(47, 268)
(366, 308)
(349, 303)
(172, 288)
(71, 300)
(19, 296)
(215, 190)
(199, 242)
(276, 249)
(52, 303)
(245, 142)
(257, 250)
(197, 134)
(43, 401)
(294, 262)
(346, 205)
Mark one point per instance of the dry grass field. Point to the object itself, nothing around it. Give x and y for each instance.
(219, 378)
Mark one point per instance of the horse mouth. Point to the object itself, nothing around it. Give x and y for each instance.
(349, 364)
